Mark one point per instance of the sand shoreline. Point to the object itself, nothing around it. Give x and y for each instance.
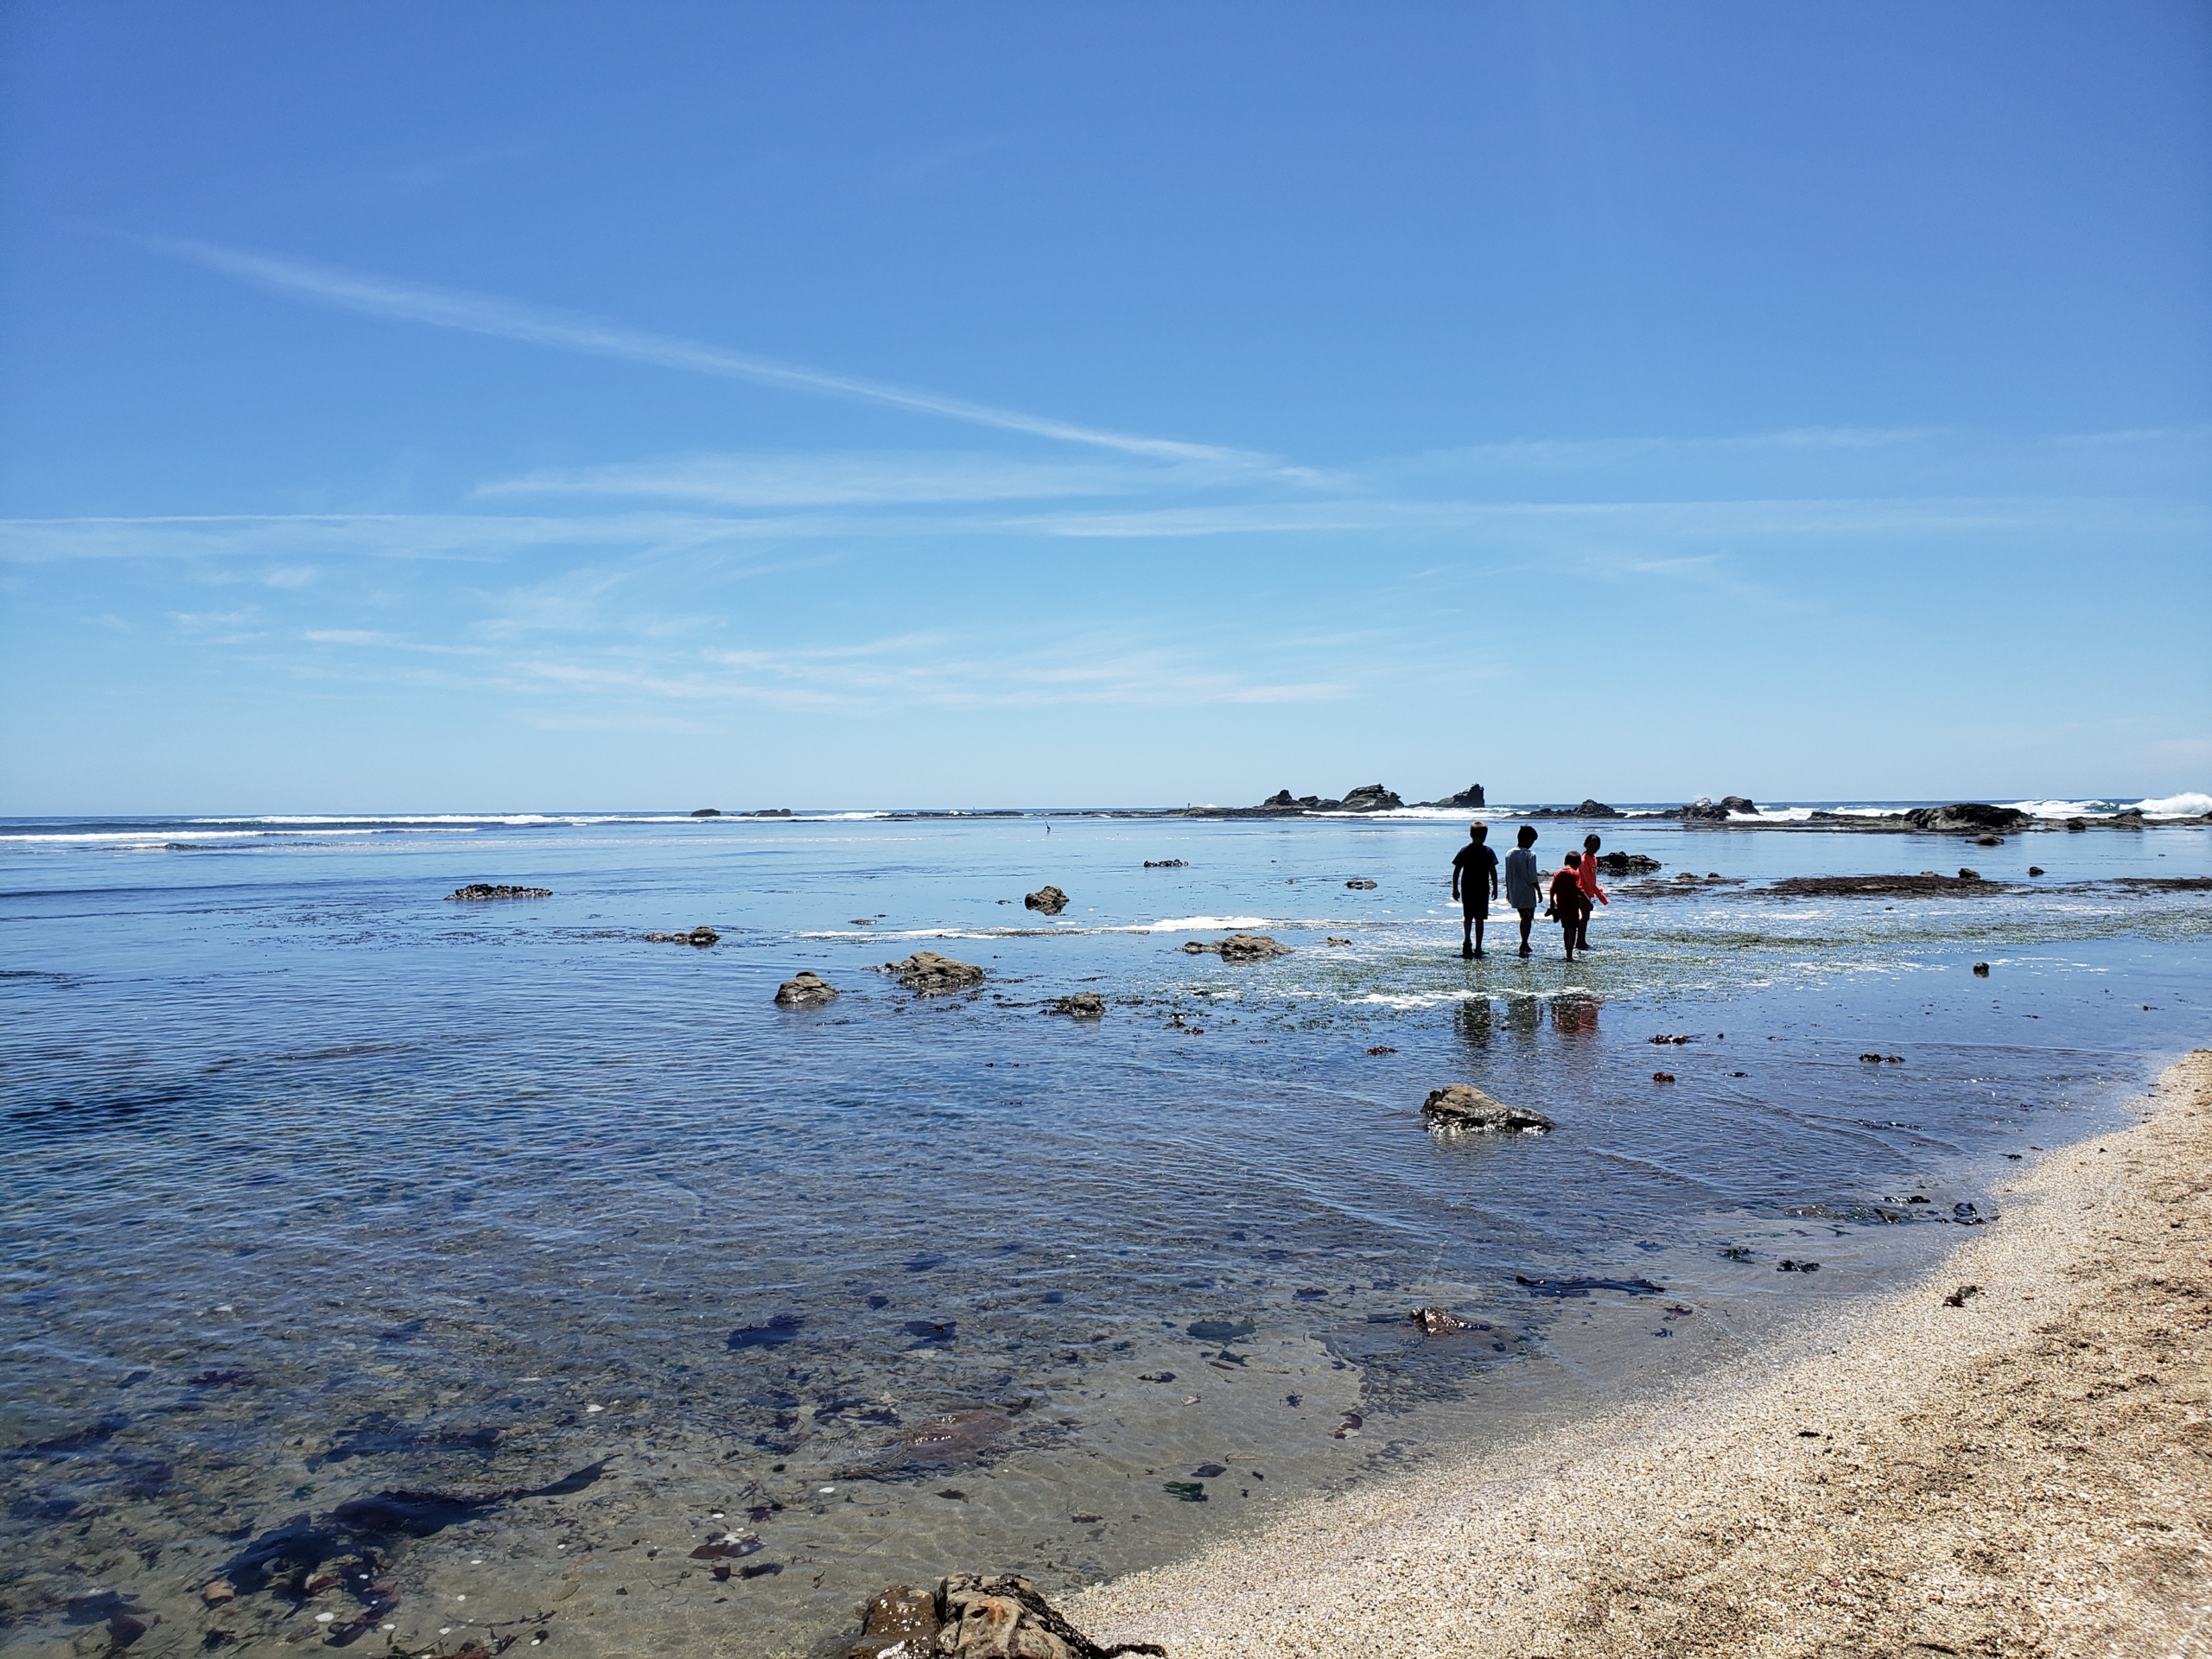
(2027, 1473)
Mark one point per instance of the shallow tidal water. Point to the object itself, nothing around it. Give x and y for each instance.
(444, 1276)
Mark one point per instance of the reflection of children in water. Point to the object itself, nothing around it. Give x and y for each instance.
(1574, 1014)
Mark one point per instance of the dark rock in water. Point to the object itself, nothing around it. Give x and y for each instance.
(1082, 1005)
(1926, 883)
(1361, 884)
(1989, 841)
(476, 890)
(1167, 864)
(708, 812)
(1186, 1491)
(1590, 809)
(2074, 825)
(1968, 817)
(901, 1622)
(1333, 939)
(702, 936)
(1051, 900)
(1368, 798)
(1001, 1618)
(1965, 875)
(1703, 808)
(1788, 1266)
(1737, 804)
(932, 975)
(1626, 863)
(771, 812)
(1459, 1108)
(1470, 797)
(1239, 947)
(1561, 1289)
(805, 989)
(2035, 870)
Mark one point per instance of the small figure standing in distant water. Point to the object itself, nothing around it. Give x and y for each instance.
(1474, 884)
(1524, 882)
(1567, 902)
(1586, 880)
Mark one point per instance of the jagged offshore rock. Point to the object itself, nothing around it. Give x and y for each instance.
(1462, 1108)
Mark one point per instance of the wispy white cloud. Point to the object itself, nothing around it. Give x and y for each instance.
(505, 319)
(858, 478)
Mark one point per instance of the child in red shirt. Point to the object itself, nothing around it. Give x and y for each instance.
(1567, 903)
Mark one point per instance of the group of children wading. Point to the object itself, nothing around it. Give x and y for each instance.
(1571, 892)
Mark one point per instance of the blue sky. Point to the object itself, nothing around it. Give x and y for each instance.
(422, 407)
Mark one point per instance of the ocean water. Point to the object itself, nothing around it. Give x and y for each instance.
(444, 1275)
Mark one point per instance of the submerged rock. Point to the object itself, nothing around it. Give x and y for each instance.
(931, 974)
(1081, 1004)
(1167, 864)
(805, 989)
(1361, 884)
(1459, 1108)
(476, 890)
(1051, 900)
(702, 936)
(1239, 947)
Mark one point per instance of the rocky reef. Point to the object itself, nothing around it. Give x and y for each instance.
(1239, 947)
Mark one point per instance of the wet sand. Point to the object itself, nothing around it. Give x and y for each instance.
(2028, 1472)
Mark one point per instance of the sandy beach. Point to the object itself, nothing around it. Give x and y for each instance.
(2019, 1470)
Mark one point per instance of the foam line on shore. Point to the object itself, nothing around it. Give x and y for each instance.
(2023, 1470)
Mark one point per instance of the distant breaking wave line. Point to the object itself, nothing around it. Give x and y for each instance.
(479, 313)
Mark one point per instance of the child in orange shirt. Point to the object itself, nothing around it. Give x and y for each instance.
(1587, 880)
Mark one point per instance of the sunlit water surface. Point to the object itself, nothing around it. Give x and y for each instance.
(320, 1189)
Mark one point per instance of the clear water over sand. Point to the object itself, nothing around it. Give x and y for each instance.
(321, 1189)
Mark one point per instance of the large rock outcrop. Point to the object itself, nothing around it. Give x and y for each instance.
(932, 975)
(1705, 807)
(1461, 1109)
(1471, 796)
(1239, 947)
(1968, 817)
(1369, 798)
(1051, 900)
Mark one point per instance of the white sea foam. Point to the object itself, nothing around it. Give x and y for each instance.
(2189, 804)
